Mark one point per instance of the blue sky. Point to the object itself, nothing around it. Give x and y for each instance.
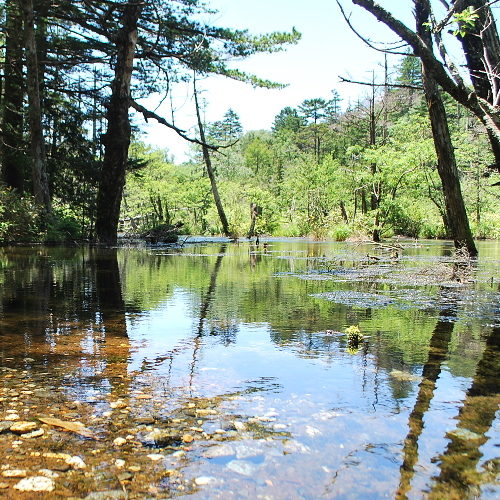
(311, 68)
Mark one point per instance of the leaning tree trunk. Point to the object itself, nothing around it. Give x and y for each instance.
(117, 138)
(37, 140)
(12, 102)
(210, 170)
(447, 167)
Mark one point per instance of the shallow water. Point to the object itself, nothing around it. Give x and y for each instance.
(221, 370)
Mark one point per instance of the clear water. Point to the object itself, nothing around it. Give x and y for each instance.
(242, 349)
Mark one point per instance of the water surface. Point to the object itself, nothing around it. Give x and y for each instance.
(221, 370)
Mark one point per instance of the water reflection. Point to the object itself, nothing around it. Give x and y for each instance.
(215, 360)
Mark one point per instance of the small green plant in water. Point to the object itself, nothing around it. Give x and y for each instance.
(354, 334)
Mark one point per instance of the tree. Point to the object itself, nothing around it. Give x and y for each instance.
(12, 99)
(288, 119)
(455, 207)
(447, 167)
(227, 130)
(37, 140)
(117, 139)
(446, 74)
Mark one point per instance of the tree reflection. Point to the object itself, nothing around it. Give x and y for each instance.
(110, 303)
(438, 351)
(459, 477)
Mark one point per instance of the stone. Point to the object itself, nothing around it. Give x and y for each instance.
(23, 427)
(243, 467)
(35, 483)
(119, 441)
(14, 473)
(107, 495)
(76, 462)
(203, 480)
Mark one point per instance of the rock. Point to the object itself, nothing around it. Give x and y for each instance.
(35, 483)
(296, 447)
(312, 431)
(144, 420)
(124, 476)
(12, 416)
(118, 404)
(107, 495)
(14, 473)
(4, 426)
(187, 438)
(3, 486)
(202, 480)
(155, 456)
(222, 450)
(76, 462)
(239, 426)
(48, 473)
(243, 467)
(34, 434)
(23, 427)
(119, 441)
(161, 437)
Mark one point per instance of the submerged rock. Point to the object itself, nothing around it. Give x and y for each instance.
(243, 467)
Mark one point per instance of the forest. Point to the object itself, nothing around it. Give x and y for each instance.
(416, 155)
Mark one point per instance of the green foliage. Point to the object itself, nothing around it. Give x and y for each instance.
(19, 217)
(466, 20)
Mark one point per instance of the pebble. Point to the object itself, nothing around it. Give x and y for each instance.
(35, 483)
(240, 426)
(37, 433)
(4, 426)
(203, 480)
(14, 473)
(23, 427)
(155, 456)
(119, 441)
(107, 495)
(48, 473)
(12, 416)
(118, 404)
(76, 462)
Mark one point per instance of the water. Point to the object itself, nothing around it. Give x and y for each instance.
(226, 373)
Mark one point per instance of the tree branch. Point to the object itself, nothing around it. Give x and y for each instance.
(150, 114)
(392, 85)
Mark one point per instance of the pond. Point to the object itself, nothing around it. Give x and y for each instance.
(220, 370)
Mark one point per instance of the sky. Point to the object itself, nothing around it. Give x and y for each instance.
(328, 49)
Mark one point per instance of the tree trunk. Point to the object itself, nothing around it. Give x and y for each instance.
(481, 46)
(117, 138)
(210, 171)
(12, 130)
(37, 140)
(447, 167)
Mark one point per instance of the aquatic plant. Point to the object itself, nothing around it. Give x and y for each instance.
(354, 334)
